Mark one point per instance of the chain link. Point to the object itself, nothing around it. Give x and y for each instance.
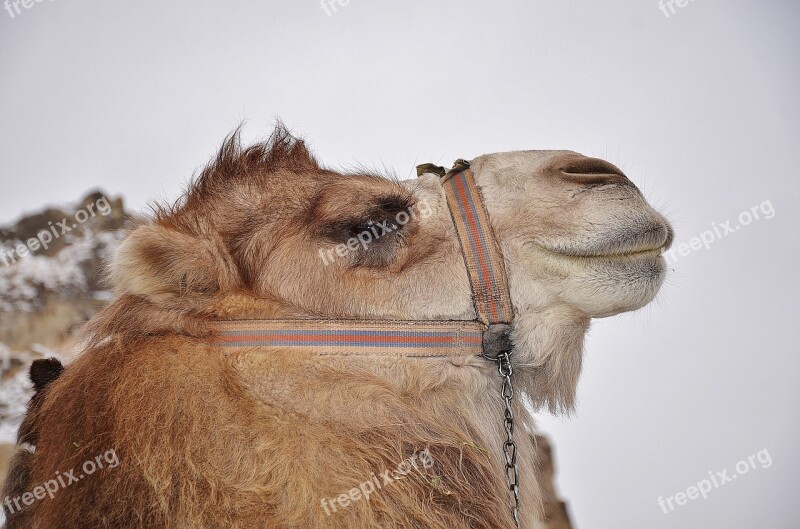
(509, 446)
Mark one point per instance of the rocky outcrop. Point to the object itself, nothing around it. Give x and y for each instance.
(555, 510)
(50, 270)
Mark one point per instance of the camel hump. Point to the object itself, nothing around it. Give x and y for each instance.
(45, 371)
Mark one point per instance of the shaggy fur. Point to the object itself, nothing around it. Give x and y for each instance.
(259, 438)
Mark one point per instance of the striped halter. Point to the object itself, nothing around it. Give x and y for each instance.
(430, 338)
(421, 339)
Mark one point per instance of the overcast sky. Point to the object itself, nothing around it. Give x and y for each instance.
(699, 108)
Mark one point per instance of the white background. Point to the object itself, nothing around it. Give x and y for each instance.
(700, 109)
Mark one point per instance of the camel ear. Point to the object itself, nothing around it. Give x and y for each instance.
(155, 261)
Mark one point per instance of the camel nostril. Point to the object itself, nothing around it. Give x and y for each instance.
(591, 166)
(592, 171)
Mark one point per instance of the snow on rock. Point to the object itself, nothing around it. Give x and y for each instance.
(15, 391)
(46, 295)
(22, 283)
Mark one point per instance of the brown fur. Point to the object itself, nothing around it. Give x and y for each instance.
(208, 438)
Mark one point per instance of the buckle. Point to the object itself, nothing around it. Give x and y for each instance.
(497, 342)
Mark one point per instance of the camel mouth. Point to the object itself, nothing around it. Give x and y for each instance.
(629, 254)
(648, 243)
(649, 252)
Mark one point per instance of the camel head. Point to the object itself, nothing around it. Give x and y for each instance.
(266, 232)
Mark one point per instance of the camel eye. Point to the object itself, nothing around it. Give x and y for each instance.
(373, 237)
(376, 227)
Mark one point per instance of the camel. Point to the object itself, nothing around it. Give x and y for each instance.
(266, 437)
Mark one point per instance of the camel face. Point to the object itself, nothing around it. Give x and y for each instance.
(575, 231)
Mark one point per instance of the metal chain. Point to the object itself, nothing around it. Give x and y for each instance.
(509, 447)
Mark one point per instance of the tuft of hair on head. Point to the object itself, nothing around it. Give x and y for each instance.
(235, 163)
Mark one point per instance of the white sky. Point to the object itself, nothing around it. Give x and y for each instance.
(700, 109)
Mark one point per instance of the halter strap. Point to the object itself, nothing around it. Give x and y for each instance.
(422, 339)
(482, 254)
